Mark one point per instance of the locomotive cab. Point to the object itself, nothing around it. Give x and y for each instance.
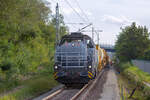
(75, 59)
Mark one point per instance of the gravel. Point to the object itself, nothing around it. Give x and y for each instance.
(110, 88)
(66, 94)
(95, 92)
(106, 87)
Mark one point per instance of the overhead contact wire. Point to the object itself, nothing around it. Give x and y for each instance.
(82, 10)
(75, 10)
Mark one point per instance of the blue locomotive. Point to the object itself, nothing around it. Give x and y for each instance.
(76, 59)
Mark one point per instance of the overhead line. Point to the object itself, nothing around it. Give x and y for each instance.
(66, 17)
(74, 10)
(82, 10)
(68, 3)
(63, 12)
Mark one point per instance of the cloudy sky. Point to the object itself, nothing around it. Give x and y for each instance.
(106, 15)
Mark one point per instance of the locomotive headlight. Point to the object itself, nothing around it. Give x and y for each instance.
(56, 67)
(90, 66)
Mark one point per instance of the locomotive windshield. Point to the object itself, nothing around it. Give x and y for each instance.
(70, 40)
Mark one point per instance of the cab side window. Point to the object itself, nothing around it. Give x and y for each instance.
(89, 44)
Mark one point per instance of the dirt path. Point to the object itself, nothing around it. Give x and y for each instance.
(110, 87)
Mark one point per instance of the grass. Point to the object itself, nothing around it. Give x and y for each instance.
(6, 86)
(131, 77)
(133, 71)
(143, 76)
(126, 87)
(32, 87)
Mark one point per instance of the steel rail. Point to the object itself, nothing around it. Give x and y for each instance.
(53, 94)
(77, 94)
(90, 85)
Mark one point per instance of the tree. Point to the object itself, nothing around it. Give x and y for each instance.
(27, 36)
(132, 42)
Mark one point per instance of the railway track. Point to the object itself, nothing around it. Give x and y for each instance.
(72, 93)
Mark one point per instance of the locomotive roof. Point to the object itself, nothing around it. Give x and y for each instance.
(77, 35)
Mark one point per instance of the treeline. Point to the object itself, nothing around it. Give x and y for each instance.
(133, 43)
(27, 36)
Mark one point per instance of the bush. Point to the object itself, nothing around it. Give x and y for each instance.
(136, 77)
(31, 88)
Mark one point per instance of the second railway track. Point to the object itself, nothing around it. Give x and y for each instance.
(74, 93)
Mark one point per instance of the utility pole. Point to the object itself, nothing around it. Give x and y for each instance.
(57, 24)
(93, 33)
(98, 39)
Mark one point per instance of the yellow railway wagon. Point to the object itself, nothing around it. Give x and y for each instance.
(99, 58)
(103, 58)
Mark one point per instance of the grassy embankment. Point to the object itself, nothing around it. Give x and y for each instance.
(132, 78)
(25, 89)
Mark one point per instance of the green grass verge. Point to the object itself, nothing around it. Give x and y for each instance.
(131, 77)
(126, 88)
(32, 87)
(132, 71)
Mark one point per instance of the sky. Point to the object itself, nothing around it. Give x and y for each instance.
(106, 15)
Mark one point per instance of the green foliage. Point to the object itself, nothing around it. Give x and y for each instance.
(132, 42)
(133, 71)
(27, 36)
(30, 88)
(136, 78)
(146, 55)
